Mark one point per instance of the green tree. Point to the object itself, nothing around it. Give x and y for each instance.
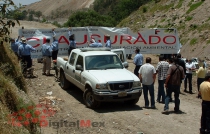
(117, 9)
(38, 14)
(4, 22)
(89, 18)
(30, 17)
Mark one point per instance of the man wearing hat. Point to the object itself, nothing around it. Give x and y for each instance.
(47, 54)
(15, 44)
(24, 51)
(108, 41)
(205, 95)
(72, 43)
(54, 47)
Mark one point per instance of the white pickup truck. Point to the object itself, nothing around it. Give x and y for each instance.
(100, 74)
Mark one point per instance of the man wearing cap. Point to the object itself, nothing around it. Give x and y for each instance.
(24, 51)
(108, 41)
(15, 45)
(54, 47)
(72, 44)
(47, 54)
(205, 95)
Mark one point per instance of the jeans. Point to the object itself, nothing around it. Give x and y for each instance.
(161, 91)
(199, 81)
(176, 90)
(189, 77)
(149, 88)
(136, 70)
(205, 118)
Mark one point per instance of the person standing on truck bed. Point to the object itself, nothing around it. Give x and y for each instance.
(138, 61)
(24, 51)
(54, 46)
(108, 41)
(47, 54)
(72, 43)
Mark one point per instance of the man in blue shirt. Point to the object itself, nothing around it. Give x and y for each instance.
(108, 41)
(47, 54)
(138, 61)
(54, 47)
(14, 45)
(72, 44)
(24, 51)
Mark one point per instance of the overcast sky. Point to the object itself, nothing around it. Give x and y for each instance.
(24, 2)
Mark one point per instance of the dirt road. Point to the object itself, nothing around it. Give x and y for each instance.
(113, 118)
(110, 118)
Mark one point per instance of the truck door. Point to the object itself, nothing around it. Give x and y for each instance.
(121, 54)
(70, 68)
(78, 73)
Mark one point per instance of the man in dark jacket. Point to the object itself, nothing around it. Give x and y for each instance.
(174, 77)
(181, 62)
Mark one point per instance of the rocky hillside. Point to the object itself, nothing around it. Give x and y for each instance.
(59, 8)
(190, 17)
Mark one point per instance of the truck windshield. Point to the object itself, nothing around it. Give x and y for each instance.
(98, 62)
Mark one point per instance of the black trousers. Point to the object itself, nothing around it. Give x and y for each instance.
(205, 118)
(54, 55)
(69, 51)
(27, 59)
(189, 78)
(136, 70)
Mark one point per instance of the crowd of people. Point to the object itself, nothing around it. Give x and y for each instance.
(171, 72)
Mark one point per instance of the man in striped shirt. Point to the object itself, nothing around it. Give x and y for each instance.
(161, 70)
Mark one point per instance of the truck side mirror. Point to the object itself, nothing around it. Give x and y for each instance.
(125, 64)
(79, 67)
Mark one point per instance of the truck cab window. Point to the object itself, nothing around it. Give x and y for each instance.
(120, 55)
(79, 60)
(72, 58)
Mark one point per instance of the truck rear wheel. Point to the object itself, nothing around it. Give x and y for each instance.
(89, 100)
(63, 81)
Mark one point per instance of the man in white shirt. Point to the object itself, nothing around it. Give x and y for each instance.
(190, 67)
(147, 75)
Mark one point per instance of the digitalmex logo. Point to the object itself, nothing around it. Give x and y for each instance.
(31, 115)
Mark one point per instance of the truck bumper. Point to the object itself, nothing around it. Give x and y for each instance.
(117, 96)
